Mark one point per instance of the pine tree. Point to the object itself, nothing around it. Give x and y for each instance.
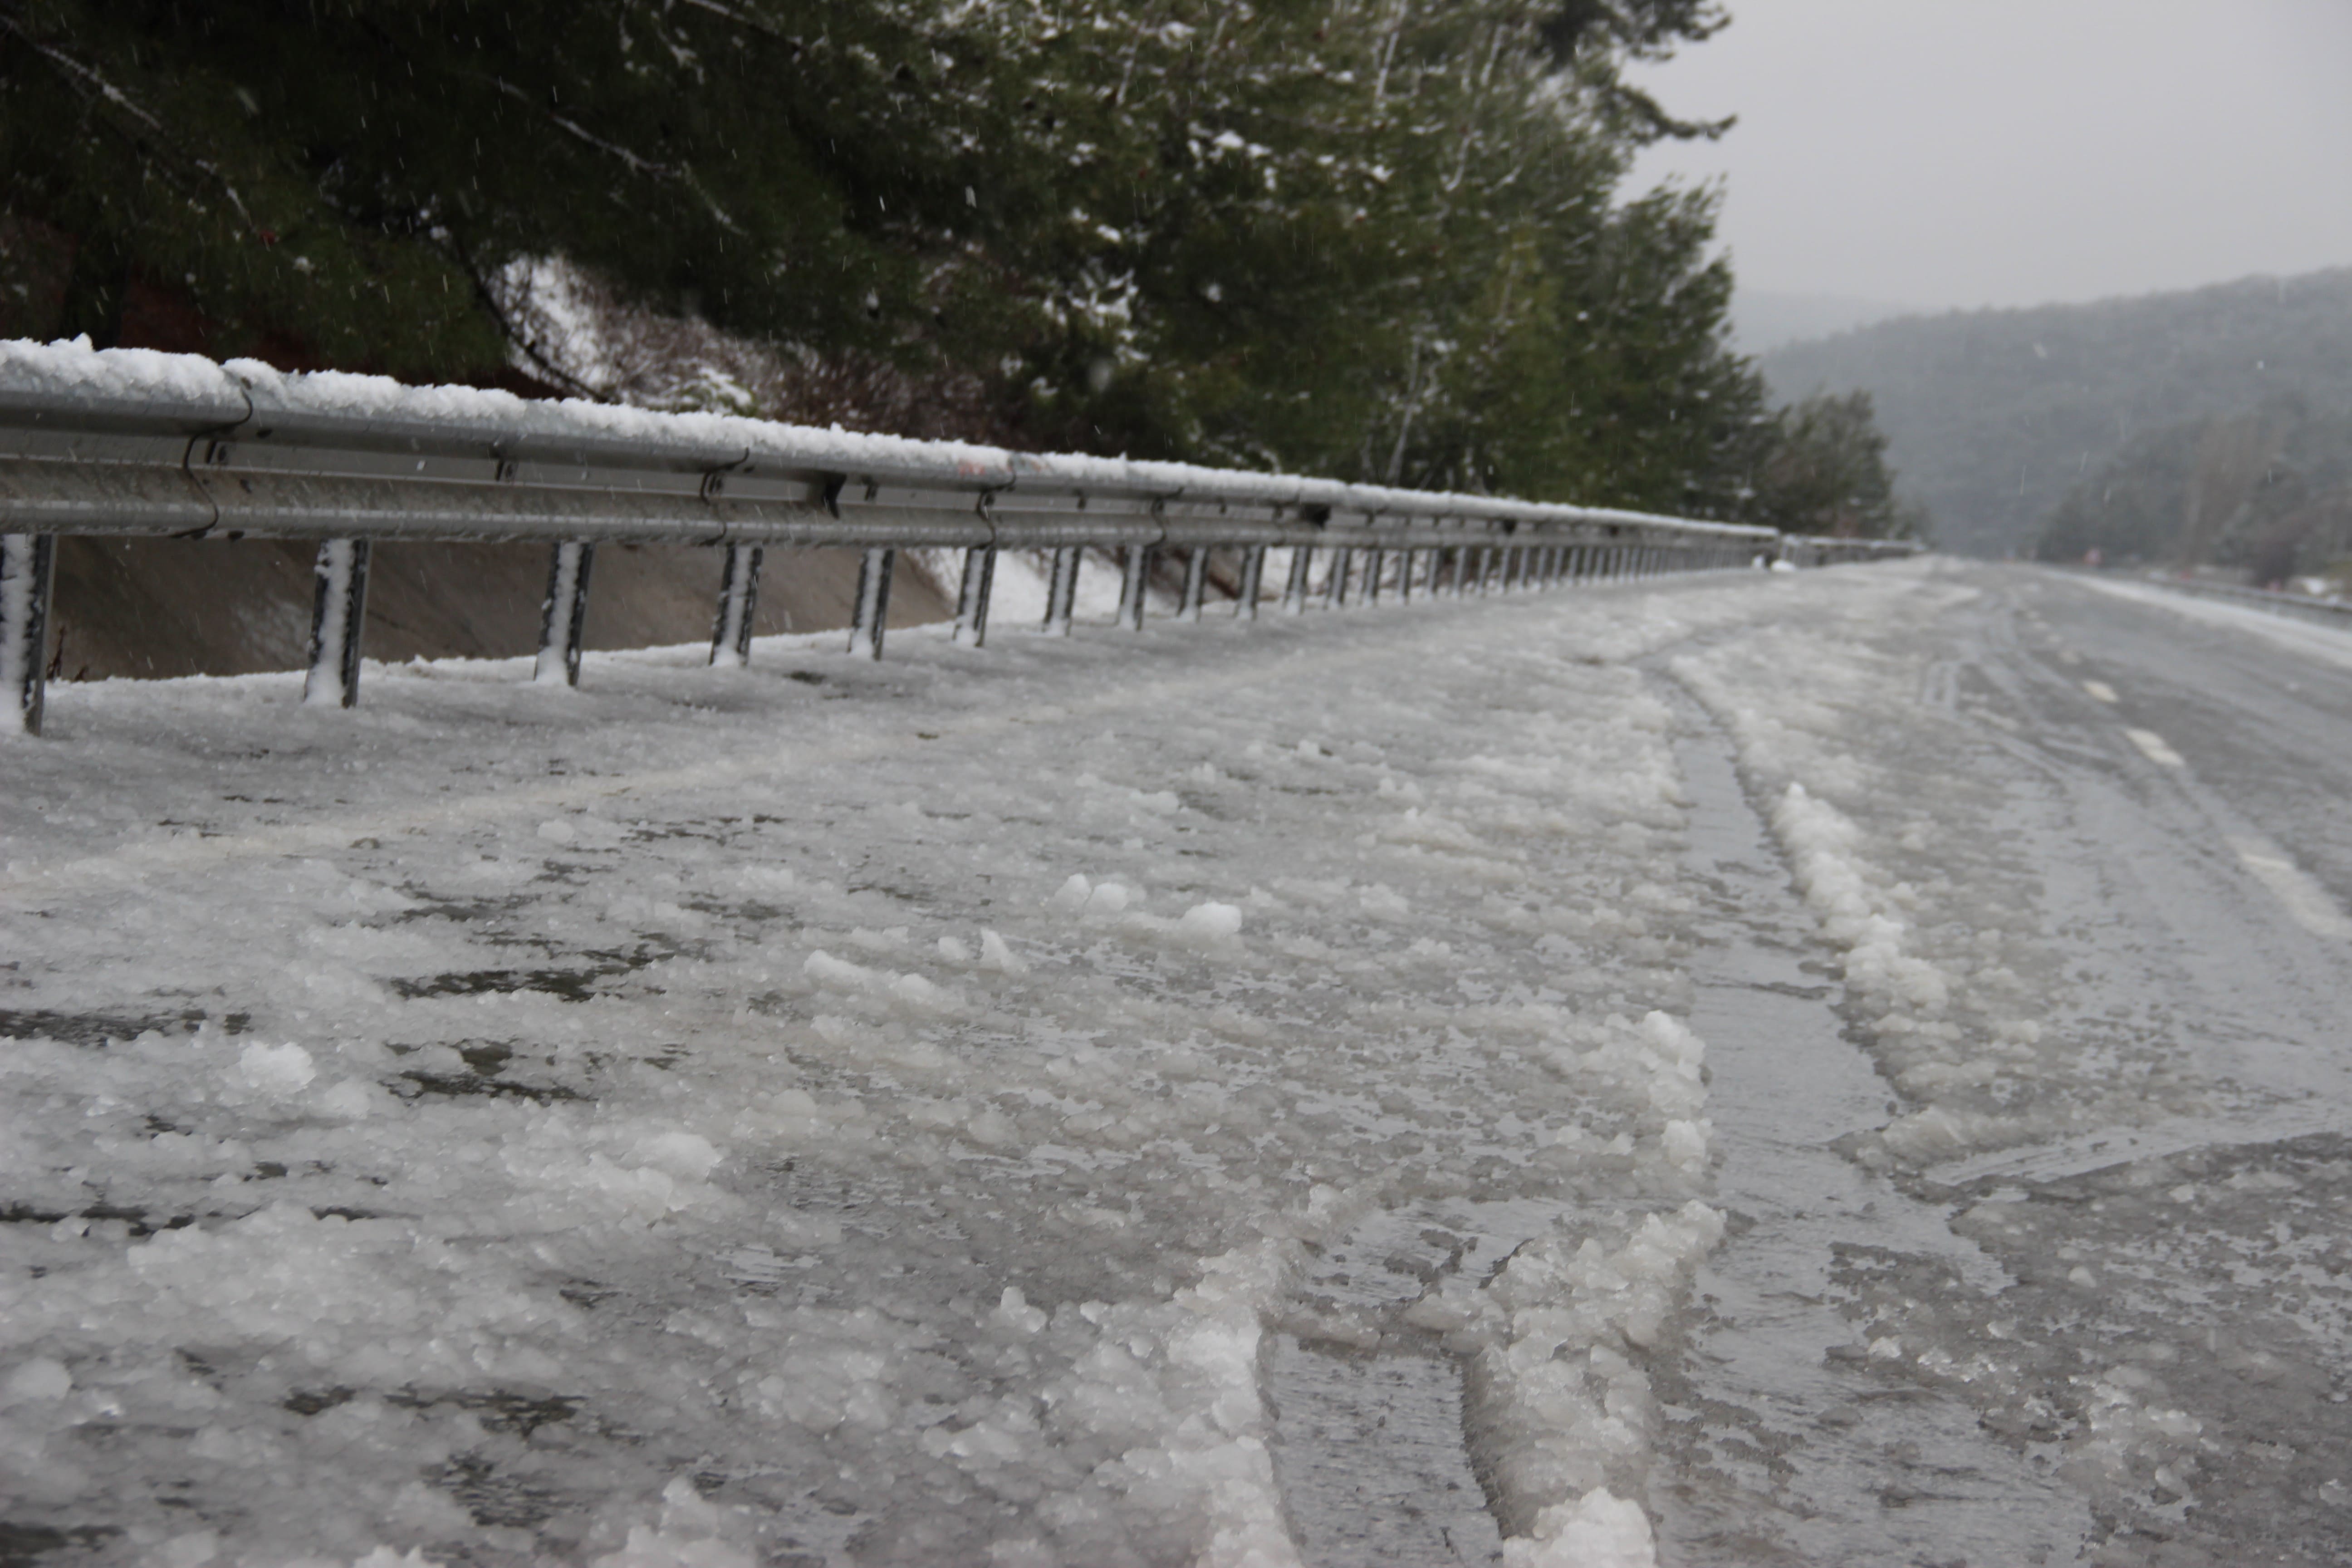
(1374, 237)
(1819, 467)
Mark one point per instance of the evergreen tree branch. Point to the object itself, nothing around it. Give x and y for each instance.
(676, 174)
(86, 83)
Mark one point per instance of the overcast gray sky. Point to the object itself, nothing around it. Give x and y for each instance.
(1964, 152)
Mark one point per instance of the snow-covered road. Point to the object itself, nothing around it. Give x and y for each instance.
(1234, 1094)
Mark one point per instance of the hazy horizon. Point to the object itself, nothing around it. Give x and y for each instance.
(1764, 320)
(2011, 153)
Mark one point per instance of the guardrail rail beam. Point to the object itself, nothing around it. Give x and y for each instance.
(110, 444)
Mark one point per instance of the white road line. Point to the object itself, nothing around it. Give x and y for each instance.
(2152, 746)
(2304, 898)
(2100, 690)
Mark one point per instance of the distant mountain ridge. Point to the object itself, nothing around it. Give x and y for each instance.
(1992, 416)
(1763, 319)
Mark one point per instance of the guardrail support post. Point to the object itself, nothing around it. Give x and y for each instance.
(1252, 579)
(1135, 579)
(1335, 581)
(738, 597)
(972, 598)
(872, 610)
(1374, 560)
(564, 613)
(337, 615)
(1196, 580)
(1294, 592)
(1062, 590)
(27, 569)
(1406, 559)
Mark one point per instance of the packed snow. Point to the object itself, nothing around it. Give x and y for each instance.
(830, 1108)
(831, 1112)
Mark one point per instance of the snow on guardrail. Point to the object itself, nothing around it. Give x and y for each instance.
(132, 442)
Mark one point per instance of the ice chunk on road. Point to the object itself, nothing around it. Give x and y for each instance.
(838, 973)
(1210, 925)
(275, 1069)
(39, 1380)
(1599, 1529)
(998, 956)
(684, 1154)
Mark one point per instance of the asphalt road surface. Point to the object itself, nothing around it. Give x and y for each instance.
(2121, 1337)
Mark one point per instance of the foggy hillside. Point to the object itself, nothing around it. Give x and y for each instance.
(1992, 415)
(1763, 319)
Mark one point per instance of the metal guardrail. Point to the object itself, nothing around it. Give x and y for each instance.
(1823, 550)
(129, 442)
(2335, 613)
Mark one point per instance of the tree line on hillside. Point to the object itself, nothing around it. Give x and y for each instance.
(1381, 238)
(2268, 493)
(1993, 416)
